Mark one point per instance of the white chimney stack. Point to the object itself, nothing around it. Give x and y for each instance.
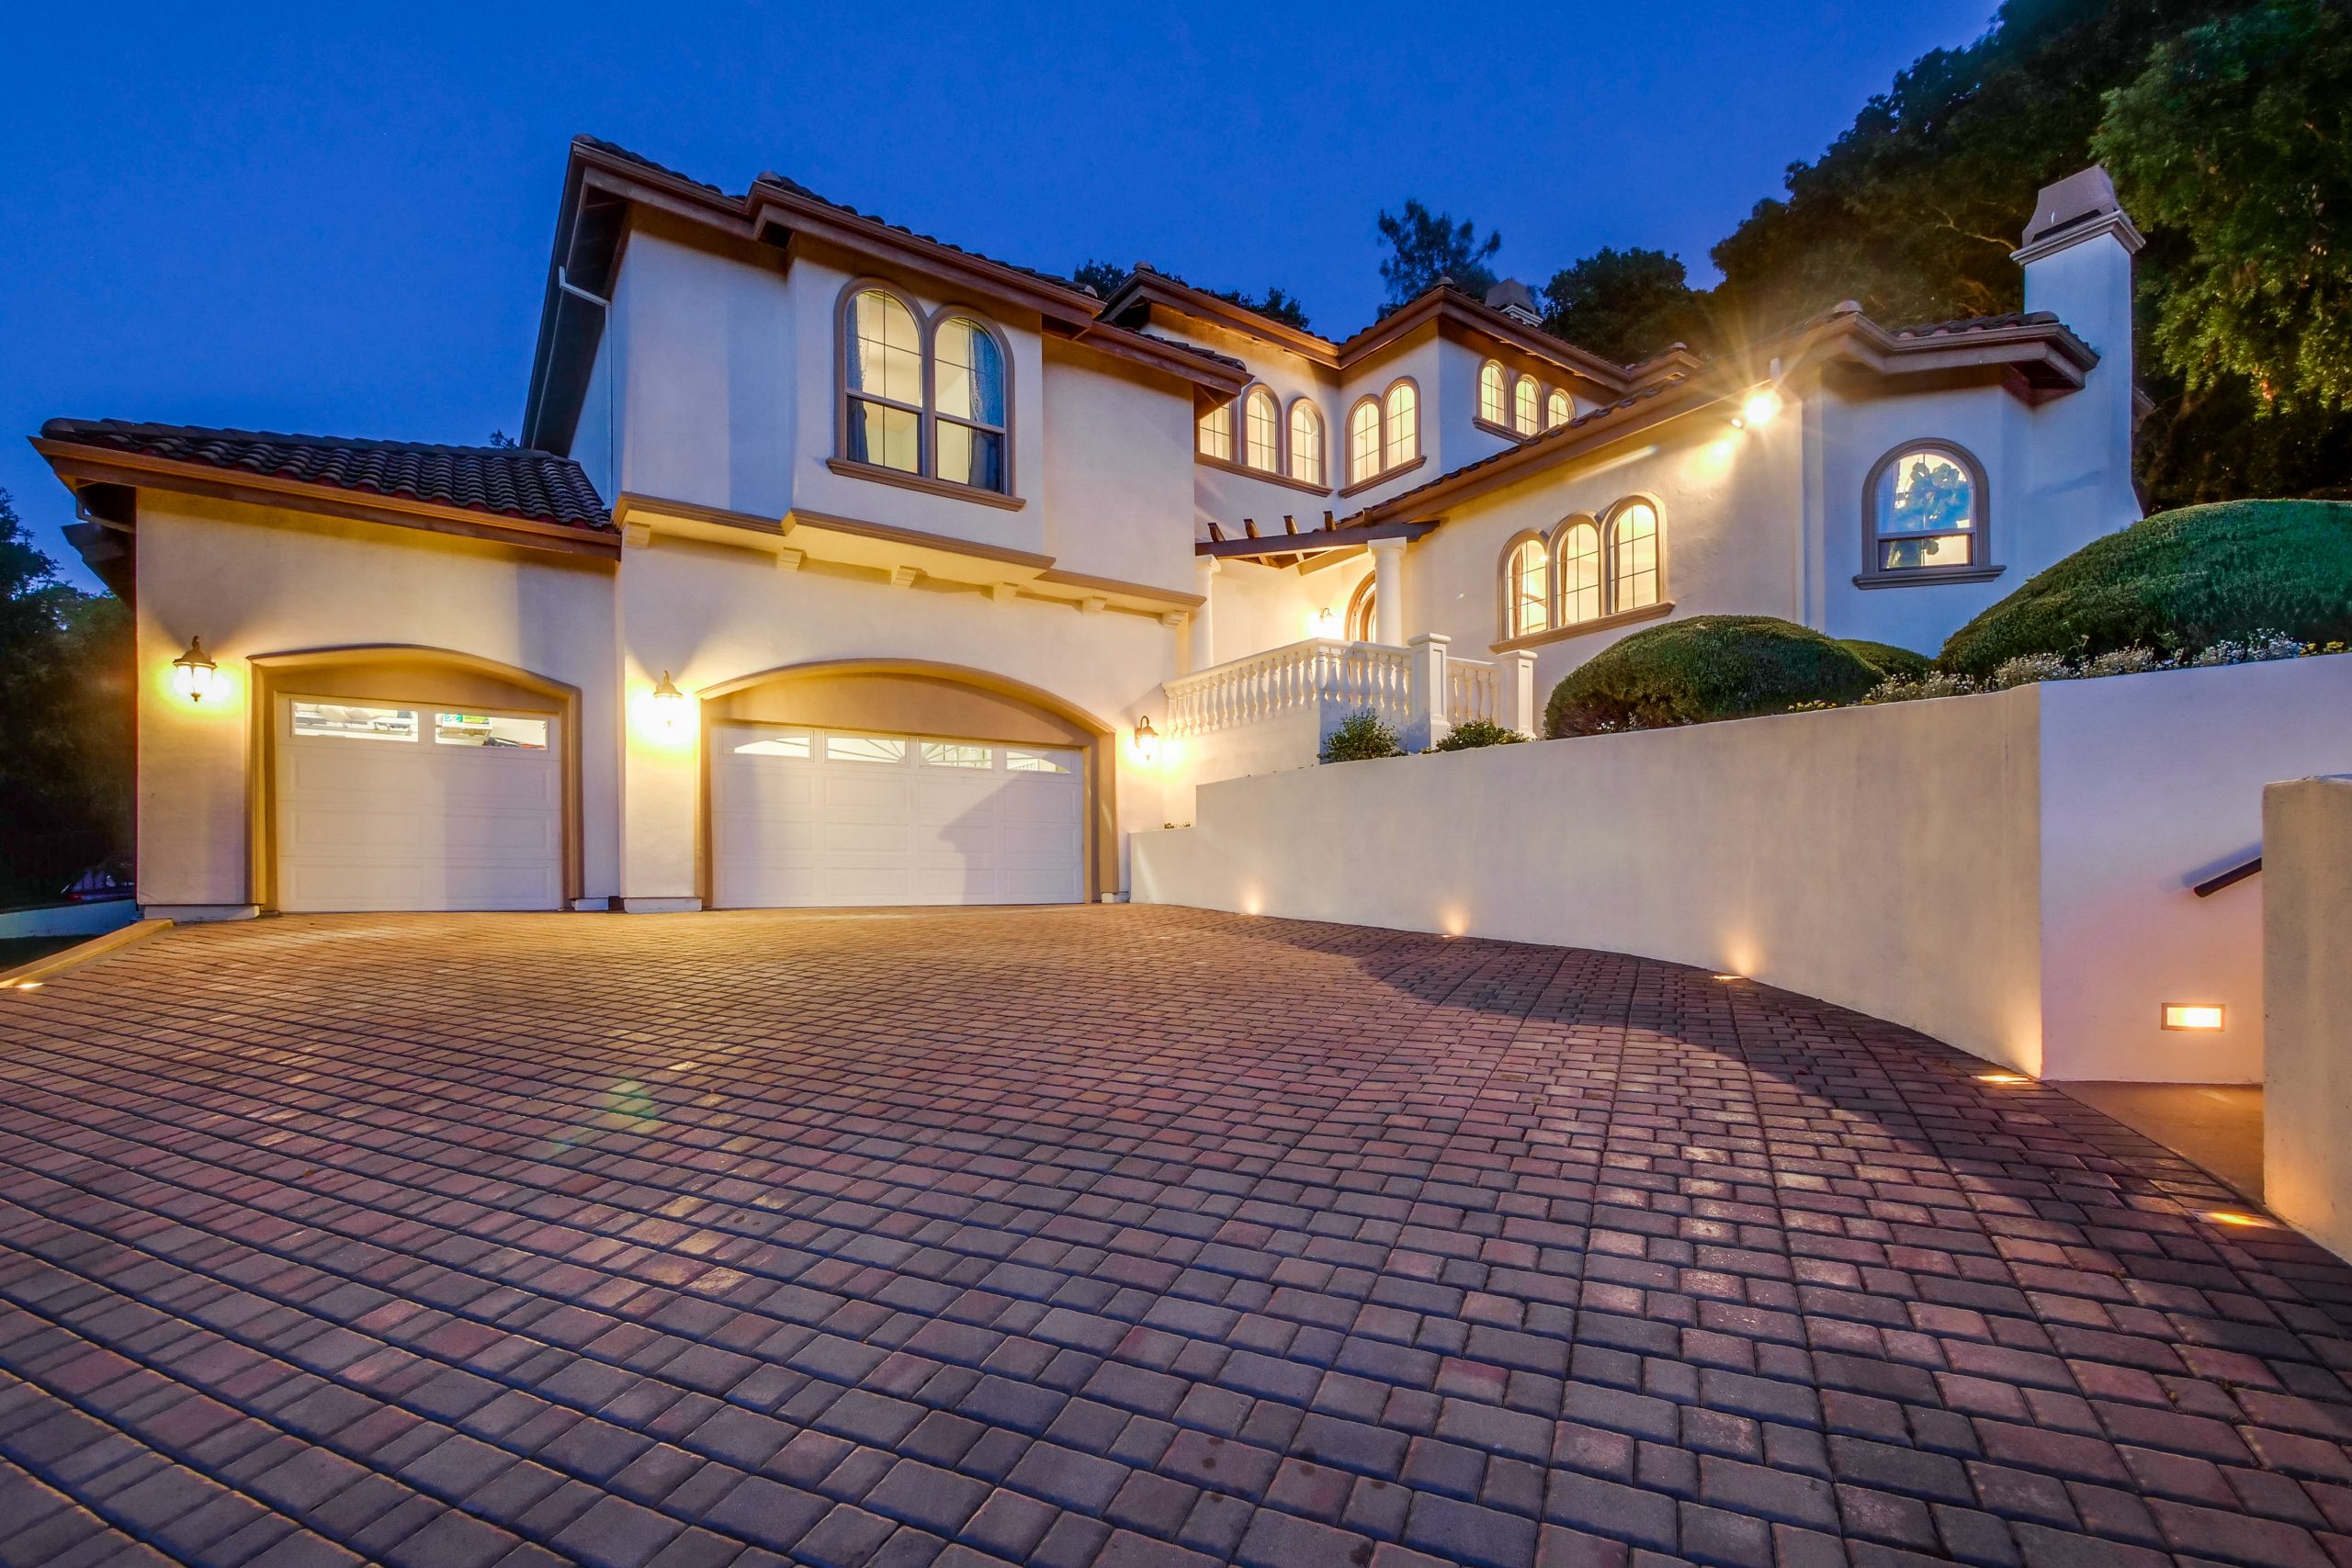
(2078, 259)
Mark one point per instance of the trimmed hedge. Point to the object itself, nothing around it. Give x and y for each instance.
(2177, 582)
(1473, 734)
(1897, 663)
(1707, 667)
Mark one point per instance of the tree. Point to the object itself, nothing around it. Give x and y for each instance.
(1624, 305)
(2235, 137)
(64, 721)
(1425, 247)
(1107, 278)
(1103, 277)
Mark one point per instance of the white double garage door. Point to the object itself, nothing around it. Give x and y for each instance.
(390, 806)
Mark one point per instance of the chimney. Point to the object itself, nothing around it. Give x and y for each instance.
(1515, 299)
(2078, 259)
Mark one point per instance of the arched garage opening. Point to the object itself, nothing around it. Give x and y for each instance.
(881, 782)
(397, 777)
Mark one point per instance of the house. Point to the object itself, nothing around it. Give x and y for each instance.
(839, 565)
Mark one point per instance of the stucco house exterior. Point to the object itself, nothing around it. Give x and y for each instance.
(839, 565)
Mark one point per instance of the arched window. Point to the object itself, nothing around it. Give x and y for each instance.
(1575, 563)
(1214, 437)
(1364, 441)
(1364, 610)
(1925, 511)
(1558, 409)
(1526, 587)
(1526, 398)
(883, 367)
(1633, 557)
(1400, 426)
(1261, 431)
(1491, 406)
(969, 399)
(1305, 442)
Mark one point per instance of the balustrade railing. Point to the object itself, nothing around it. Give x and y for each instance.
(1321, 675)
(1473, 690)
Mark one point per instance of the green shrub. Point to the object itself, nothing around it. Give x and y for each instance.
(1705, 668)
(1477, 732)
(2177, 582)
(1897, 663)
(1361, 737)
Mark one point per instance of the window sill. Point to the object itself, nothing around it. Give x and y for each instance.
(1226, 464)
(1920, 576)
(1507, 432)
(849, 468)
(1384, 475)
(1663, 608)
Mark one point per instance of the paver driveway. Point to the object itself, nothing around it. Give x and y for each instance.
(1129, 1237)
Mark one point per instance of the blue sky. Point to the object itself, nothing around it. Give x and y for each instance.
(335, 218)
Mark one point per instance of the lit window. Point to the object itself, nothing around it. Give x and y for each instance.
(970, 404)
(863, 749)
(1526, 588)
(885, 382)
(1578, 562)
(1305, 442)
(1400, 426)
(1525, 399)
(1924, 511)
(1261, 431)
(1021, 762)
(777, 746)
(1216, 433)
(1364, 610)
(956, 754)
(489, 730)
(1491, 393)
(1364, 441)
(1557, 410)
(346, 721)
(1633, 557)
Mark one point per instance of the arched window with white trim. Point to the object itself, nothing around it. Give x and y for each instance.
(1400, 426)
(883, 376)
(1492, 404)
(1261, 431)
(1305, 442)
(1526, 398)
(1575, 567)
(1364, 441)
(1527, 588)
(1923, 512)
(1633, 556)
(968, 400)
(1558, 409)
(1213, 437)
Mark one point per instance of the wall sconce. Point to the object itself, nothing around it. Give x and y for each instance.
(669, 705)
(193, 676)
(2199, 1016)
(1147, 741)
(1758, 408)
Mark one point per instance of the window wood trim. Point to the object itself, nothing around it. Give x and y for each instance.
(1384, 475)
(1229, 466)
(1322, 443)
(927, 416)
(1981, 565)
(850, 467)
(1657, 611)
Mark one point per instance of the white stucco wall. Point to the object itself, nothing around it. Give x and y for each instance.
(253, 581)
(2307, 934)
(2008, 873)
(1116, 488)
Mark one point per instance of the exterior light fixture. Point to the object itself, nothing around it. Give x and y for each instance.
(2199, 1016)
(1728, 978)
(669, 704)
(2232, 1217)
(193, 673)
(1147, 741)
(2003, 1078)
(1757, 407)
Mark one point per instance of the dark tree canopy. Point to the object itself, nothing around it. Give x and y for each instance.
(1624, 305)
(1425, 246)
(1106, 279)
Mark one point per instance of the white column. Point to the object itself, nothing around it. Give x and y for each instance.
(1204, 570)
(1521, 710)
(1426, 723)
(1388, 592)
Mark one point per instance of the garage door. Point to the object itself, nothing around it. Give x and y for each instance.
(384, 806)
(817, 817)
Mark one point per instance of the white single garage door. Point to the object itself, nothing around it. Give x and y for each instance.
(410, 806)
(811, 818)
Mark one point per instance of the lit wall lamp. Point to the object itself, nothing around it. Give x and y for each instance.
(1757, 407)
(669, 705)
(1147, 741)
(2201, 1017)
(193, 676)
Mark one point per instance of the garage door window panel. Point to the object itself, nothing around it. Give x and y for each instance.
(491, 731)
(353, 721)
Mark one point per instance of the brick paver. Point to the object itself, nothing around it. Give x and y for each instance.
(1125, 1237)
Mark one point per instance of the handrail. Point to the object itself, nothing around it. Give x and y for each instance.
(1320, 674)
(2229, 879)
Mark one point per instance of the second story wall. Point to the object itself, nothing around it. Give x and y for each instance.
(1116, 490)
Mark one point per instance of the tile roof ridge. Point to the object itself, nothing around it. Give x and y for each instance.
(66, 429)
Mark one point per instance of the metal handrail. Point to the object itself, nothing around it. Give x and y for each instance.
(2229, 879)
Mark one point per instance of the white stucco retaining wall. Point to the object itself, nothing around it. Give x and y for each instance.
(2307, 918)
(2008, 873)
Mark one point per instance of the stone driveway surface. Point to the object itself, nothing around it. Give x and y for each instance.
(1128, 1237)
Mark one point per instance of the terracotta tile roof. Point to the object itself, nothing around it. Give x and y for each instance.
(505, 482)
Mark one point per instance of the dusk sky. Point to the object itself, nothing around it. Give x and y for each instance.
(335, 219)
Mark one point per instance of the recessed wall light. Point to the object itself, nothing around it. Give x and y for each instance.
(2003, 1078)
(2200, 1016)
(2233, 1217)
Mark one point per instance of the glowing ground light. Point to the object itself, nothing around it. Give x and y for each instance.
(2200, 1016)
(1731, 977)
(2232, 1217)
(28, 985)
(2002, 1078)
